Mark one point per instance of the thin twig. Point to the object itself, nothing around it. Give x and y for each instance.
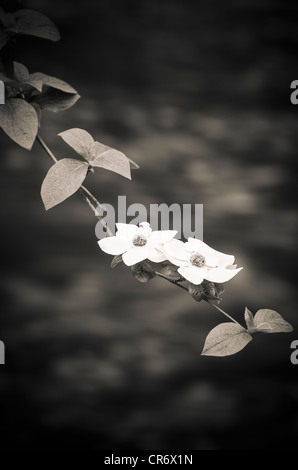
(176, 283)
(46, 148)
(91, 196)
(223, 312)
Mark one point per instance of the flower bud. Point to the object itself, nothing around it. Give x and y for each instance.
(206, 291)
(143, 272)
(170, 271)
(212, 290)
(197, 292)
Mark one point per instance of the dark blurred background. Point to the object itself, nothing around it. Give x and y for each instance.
(198, 93)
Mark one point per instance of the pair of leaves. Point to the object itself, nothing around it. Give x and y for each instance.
(266, 321)
(28, 94)
(229, 338)
(28, 22)
(67, 175)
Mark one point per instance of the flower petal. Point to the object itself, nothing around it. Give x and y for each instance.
(175, 250)
(221, 274)
(126, 230)
(156, 255)
(222, 260)
(161, 236)
(192, 274)
(145, 229)
(135, 255)
(114, 245)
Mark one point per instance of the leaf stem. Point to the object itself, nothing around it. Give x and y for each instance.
(176, 283)
(223, 312)
(46, 148)
(84, 192)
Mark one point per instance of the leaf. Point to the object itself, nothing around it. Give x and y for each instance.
(35, 82)
(21, 73)
(96, 149)
(34, 23)
(113, 160)
(226, 339)
(269, 321)
(249, 320)
(56, 100)
(19, 120)
(134, 165)
(97, 154)
(52, 82)
(62, 181)
(38, 112)
(78, 139)
(116, 260)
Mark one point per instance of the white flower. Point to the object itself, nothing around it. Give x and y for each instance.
(137, 243)
(197, 261)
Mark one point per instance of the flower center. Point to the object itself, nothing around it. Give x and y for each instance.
(198, 260)
(139, 240)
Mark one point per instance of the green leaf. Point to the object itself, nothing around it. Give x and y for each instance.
(34, 23)
(56, 100)
(225, 340)
(249, 320)
(79, 140)
(269, 321)
(21, 73)
(62, 181)
(113, 160)
(116, 260)
(52, 82)
(19, 120)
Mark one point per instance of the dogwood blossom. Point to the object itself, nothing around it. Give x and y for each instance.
(137, 243)
(197, 261)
